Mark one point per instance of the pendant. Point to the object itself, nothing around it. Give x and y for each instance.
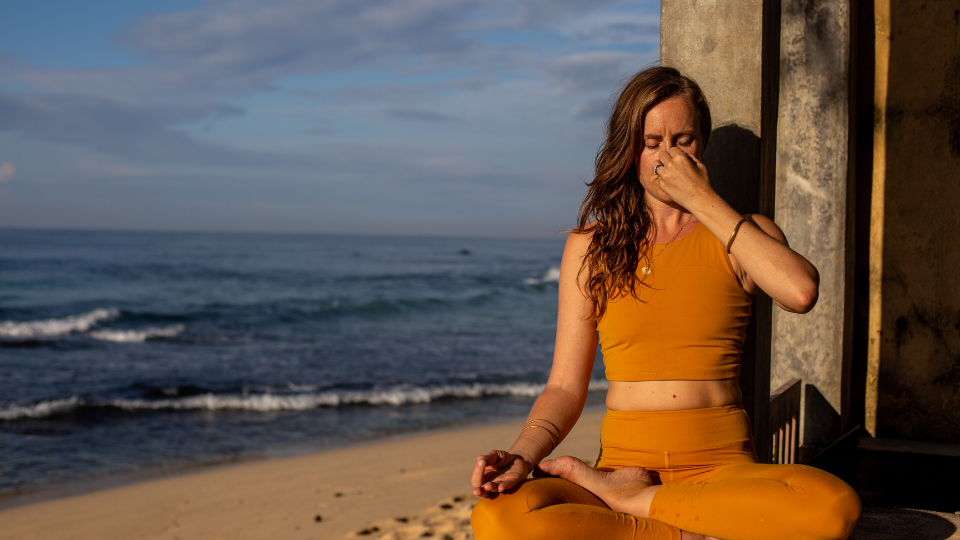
(646, 270)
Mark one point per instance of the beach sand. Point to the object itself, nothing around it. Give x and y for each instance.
(399, 489)
(422, 480)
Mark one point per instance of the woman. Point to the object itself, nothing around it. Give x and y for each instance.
(664, 271)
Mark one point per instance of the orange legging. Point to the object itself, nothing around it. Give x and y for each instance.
(711, 485)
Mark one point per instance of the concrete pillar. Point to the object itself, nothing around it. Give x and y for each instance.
(814, 207)
(914, 330)
(732, 50)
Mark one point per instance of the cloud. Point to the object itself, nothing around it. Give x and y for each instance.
(193, 61)
(596, 108)
(592, 71)
(243, 46)
(420, 115)
(614, 27)
(126, 129)
(7, 170)
(355, 105)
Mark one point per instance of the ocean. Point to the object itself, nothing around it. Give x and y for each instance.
(139, 353)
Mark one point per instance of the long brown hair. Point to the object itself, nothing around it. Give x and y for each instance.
(613, 208)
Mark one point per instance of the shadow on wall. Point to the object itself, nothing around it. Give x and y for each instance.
(732, 159)
(826, 428)
(897, 523)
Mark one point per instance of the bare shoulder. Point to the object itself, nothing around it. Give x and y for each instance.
(768, 226)
(578, 242)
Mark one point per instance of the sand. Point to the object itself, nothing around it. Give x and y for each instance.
(416, 487)
(422, 480)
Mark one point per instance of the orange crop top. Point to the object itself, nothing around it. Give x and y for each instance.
(689, 324)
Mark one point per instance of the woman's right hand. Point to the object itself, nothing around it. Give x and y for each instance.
(498, 471)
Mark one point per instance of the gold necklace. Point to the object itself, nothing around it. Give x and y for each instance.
(646, 270)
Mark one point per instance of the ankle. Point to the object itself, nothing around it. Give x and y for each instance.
(645, 501)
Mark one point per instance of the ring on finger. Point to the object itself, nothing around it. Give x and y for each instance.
(655, 167)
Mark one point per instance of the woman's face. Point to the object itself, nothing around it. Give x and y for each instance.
(669, 124)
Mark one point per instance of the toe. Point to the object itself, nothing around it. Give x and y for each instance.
(565, 467)
(578, 472)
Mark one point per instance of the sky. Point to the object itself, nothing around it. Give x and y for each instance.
(407, 117)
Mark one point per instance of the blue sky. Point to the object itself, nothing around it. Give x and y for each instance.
(423, 117)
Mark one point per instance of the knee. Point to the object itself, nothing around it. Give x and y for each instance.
(495, 518)
(838, 509)
(841, 515)
(513, 514)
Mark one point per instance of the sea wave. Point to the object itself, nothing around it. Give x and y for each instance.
(552, 275)
(136, 336)
(40, 410)
(270, 402)
(57, 327)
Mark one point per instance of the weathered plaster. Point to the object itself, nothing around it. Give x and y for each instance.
(811, 205)
(717, 42)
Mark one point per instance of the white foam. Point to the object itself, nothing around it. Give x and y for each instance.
(598, 385)
(268, 402)
(397, 396)
(137, 336)
(40, 410)
(552, 275)
(56, 327)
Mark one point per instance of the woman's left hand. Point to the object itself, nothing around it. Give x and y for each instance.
(498, 471)
(682, 177)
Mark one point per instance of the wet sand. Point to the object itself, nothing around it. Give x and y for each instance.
(395, 489)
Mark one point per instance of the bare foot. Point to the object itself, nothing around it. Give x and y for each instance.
(629, 490)
(684, 535)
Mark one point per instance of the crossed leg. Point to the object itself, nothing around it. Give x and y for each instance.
(749, 501)
(557, 509)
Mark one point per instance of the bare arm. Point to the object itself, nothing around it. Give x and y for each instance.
(562, 400)
(759, 252)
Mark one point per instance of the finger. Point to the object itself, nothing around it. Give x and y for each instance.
(476, 479)
(657, 165)
(670, 156)
(502, 485)
(498, 458)
(501, 476)
(694, 159)
(680, 153)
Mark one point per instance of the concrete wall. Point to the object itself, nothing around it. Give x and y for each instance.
(914, 355)
(813, 138)
(731, 50)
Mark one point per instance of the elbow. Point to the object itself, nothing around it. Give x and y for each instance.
(806, 294)
(806, 300)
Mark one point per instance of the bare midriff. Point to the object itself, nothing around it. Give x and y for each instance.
(672, 395)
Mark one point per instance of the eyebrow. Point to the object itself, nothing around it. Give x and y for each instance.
(692, 133)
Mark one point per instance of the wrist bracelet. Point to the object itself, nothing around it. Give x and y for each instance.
(556, 429)
(553, 440)
(734, 233)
